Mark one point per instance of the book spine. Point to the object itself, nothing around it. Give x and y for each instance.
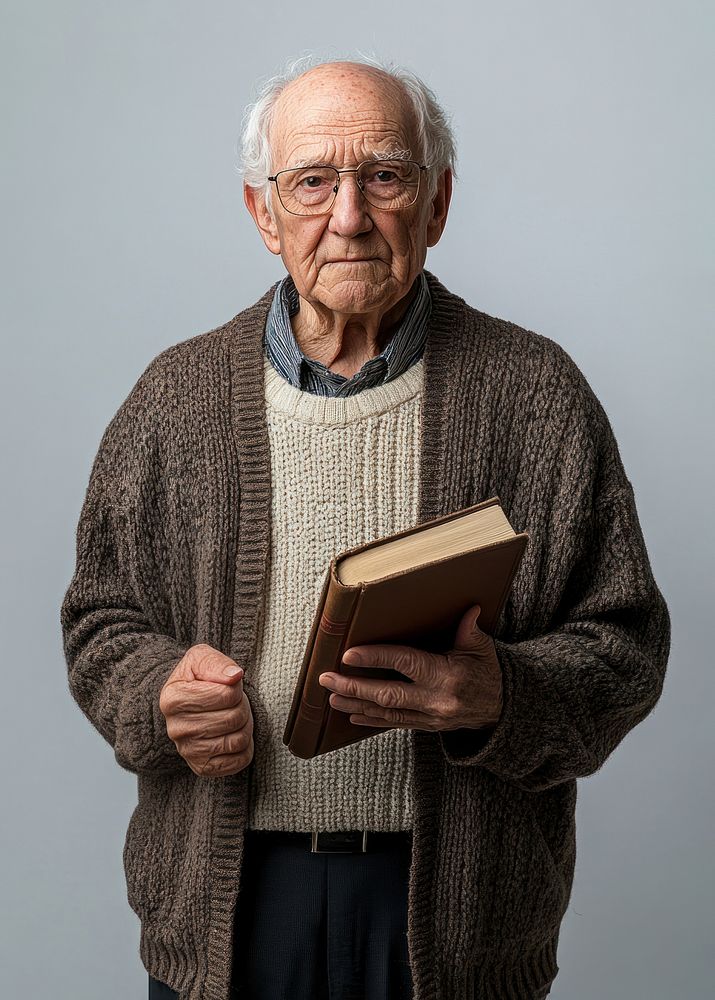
(326, 655)
(328, 647)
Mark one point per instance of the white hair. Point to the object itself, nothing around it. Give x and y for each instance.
(434, 133)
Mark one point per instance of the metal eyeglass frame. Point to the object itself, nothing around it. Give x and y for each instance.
(346, 170)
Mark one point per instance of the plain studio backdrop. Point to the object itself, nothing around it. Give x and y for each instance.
(583, 211)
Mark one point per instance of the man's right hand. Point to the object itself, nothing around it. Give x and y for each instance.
(208, 715)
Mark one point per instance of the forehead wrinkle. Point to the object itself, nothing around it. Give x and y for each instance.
(334, 118)
(342, 130)
(321, 148)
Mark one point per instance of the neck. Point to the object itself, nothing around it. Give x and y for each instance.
(343, 342)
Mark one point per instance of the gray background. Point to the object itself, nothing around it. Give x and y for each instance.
(583, 211)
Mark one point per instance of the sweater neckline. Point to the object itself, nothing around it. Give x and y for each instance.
(309, 407)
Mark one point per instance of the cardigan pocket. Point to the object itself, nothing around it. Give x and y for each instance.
(554, 822)
(524, 887)
(166, 850)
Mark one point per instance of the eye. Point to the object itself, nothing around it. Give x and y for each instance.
(385, 176)
(313, 181)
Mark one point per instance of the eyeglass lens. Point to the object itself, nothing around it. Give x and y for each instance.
(386, 184)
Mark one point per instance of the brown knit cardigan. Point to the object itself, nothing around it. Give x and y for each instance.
(172, 543)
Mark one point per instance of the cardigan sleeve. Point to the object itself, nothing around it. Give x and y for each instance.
(117, 639)
(573, 692)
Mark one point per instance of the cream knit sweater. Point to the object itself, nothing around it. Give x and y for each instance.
(344, 470)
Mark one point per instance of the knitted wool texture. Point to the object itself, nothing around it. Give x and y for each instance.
(343, 471)
(172, 549)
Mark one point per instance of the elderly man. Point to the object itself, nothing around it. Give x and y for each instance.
(356, 398)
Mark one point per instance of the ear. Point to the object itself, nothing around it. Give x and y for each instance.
(256, 205)
(439, 208)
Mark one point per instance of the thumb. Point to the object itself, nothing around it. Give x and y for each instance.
(469, 636)
(204, 663)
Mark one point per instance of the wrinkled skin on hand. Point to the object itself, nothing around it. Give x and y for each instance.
(458, 689)
(208, 714)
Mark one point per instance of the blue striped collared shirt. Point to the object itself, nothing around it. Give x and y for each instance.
(404, 349)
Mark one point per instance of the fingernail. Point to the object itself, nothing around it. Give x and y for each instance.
(233, 671)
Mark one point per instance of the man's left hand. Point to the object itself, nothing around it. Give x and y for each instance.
(458, 689)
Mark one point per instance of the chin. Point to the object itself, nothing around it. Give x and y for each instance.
(355, 293)
(357, 300)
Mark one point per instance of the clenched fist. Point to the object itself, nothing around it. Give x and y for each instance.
(208, 715)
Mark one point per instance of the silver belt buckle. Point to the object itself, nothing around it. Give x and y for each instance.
(333, 849)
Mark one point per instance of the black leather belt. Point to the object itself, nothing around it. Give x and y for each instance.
(335, 841)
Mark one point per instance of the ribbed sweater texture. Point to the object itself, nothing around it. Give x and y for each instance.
(343, 471)
(172, 549)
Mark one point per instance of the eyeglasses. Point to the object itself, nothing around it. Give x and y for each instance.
(386, 184)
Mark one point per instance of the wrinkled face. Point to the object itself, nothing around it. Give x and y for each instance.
(357, 258)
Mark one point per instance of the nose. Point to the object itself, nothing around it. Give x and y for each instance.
(349, 215)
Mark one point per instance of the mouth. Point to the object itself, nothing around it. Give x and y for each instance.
(351, 260)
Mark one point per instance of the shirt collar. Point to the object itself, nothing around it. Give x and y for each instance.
(290, 361)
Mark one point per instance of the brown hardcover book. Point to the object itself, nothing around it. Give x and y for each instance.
(410, 588)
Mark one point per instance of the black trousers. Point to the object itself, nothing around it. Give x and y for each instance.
(324, 926)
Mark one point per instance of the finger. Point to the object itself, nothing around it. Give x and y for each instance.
(195, 725)
(201, 750)
(365, 709)
(370, 720)
(204, 663)
(201, 696)
(387, 694)
(417, 664)
(229, 743)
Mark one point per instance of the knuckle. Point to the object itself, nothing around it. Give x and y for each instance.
(218, 746)
(228, 755)
(199, 653)
(232, 743)
(187, 749)
(235, 719)
(201, 649)
(175, 730)
(235, 693)
(389, 697)
(402, 660)
(169, 703)
(236, 742)
(225, 696)
(434, 665)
